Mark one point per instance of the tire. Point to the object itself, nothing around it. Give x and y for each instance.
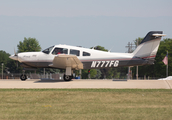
(23, 77)
(67, 77)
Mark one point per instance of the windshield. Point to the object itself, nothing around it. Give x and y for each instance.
(48, 50)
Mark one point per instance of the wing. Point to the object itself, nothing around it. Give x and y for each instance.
(63, 61)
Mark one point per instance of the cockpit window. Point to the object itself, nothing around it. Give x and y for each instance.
(86, 54)
(75, 52)
(60, 51)
(48, 50)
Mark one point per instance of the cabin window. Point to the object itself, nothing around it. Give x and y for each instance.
(86, 54)
(57, 51)
(48, 50)
(75, 52)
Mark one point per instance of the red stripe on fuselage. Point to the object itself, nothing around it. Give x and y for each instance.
(107, 59)
(149, 57)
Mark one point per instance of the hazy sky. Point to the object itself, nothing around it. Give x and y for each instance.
(109, 23)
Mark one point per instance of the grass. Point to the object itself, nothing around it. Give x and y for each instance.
(86, 104)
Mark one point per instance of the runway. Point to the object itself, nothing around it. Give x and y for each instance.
(86, 83)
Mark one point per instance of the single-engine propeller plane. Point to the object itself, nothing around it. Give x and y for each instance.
(74, 58)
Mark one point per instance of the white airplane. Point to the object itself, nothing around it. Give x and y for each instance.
(74, 58)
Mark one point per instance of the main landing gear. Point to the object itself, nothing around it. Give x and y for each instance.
(23, 77)
(67, 77)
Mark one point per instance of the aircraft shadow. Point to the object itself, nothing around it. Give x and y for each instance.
(119, 80)
(49, 81)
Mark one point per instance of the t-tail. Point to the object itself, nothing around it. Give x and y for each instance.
(149, 46)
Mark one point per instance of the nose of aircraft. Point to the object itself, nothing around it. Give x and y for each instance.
(14, 57)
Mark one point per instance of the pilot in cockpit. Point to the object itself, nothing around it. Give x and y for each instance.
(57, 51)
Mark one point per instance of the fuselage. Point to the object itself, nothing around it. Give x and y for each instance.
(89, 57)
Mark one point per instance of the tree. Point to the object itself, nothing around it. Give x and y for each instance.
(4, 57)
(139, 40)
(160, 67)
(94, 73)
(100, 48)
(29, 45)
(13, 66)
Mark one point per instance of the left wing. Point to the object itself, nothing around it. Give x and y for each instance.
(63, 61)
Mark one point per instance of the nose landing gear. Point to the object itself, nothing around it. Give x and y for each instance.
(23, 77)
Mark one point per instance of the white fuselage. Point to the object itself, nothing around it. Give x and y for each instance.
(96, 58)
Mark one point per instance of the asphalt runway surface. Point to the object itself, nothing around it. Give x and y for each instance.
(86, 83)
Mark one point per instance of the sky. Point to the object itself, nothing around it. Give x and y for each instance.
(109, 23)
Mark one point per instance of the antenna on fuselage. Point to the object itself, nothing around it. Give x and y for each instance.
(110, 49)
(94, 47)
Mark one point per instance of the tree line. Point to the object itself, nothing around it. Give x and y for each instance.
(158, 70)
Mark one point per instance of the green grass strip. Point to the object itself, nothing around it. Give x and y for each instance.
(84, 104)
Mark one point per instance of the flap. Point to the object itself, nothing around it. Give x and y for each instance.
(63, 61)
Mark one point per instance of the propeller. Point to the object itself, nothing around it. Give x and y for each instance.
(15, 57)
(17, 63)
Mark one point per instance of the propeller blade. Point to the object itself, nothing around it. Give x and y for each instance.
(15, 52)
(17, 63)
(15, 56)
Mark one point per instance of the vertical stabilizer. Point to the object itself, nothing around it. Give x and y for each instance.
(149, 45)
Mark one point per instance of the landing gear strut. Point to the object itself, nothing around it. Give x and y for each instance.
(23, 77)
(69, 74)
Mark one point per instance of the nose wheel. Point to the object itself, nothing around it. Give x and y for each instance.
(23, 77)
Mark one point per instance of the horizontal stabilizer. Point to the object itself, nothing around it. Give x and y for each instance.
(159, 35)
